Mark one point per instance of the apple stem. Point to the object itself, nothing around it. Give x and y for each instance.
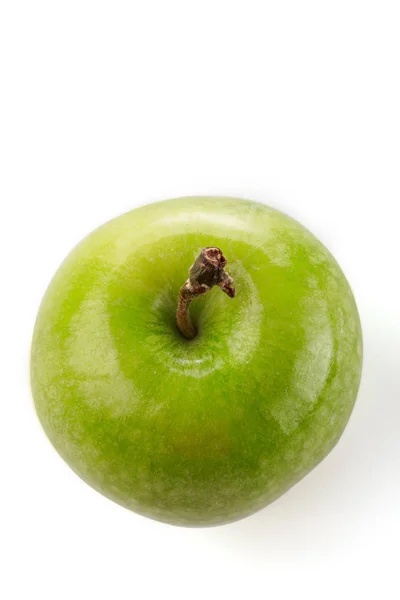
(206, 271)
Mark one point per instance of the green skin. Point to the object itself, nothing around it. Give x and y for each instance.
(207, 431)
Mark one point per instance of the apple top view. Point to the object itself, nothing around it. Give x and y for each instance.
(194, 358)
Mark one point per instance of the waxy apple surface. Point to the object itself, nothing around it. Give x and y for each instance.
(206, 431)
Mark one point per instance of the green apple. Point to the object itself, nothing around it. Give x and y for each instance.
(207, 430)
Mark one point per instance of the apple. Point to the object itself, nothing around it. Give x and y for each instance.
(172, 398)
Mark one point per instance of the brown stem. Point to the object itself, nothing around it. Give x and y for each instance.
(206, 271)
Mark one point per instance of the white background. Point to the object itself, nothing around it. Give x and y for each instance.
(109, 105)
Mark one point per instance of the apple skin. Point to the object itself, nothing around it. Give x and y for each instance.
(207, 431)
